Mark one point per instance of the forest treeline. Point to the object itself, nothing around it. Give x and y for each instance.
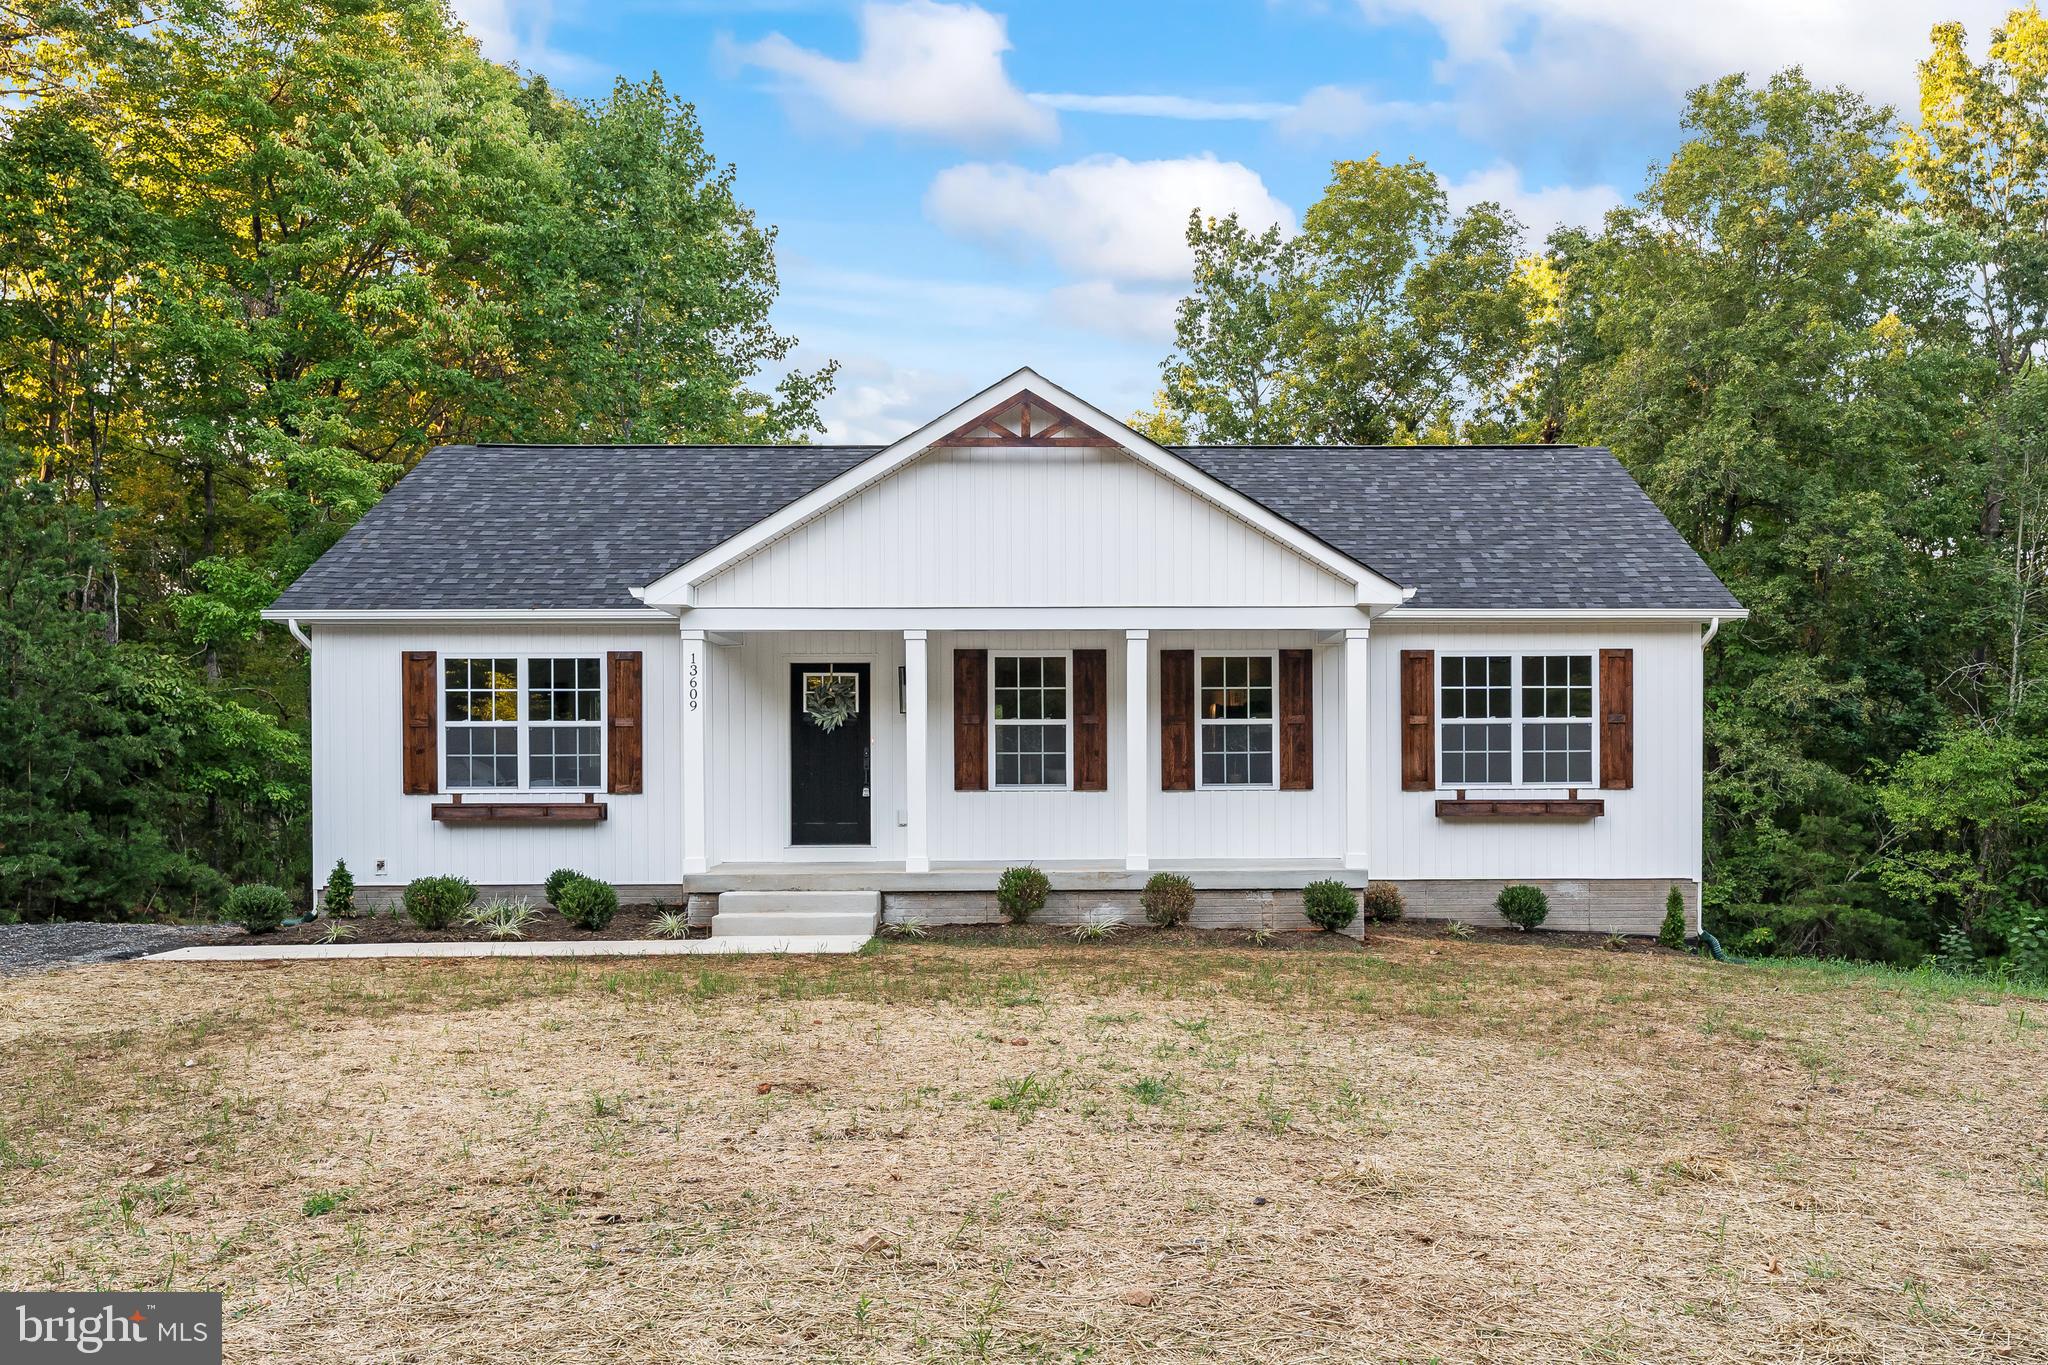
(1814, 338)
(257, 257)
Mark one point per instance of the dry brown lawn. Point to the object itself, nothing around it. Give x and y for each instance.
(1423, 1149)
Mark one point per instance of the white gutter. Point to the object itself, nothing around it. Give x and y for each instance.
(486, 616)
(1642, 614)
(1713, 629)
(291, 623)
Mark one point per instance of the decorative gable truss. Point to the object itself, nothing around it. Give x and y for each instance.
(1025, 420)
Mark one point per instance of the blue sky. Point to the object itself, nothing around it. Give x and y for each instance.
(963, 188)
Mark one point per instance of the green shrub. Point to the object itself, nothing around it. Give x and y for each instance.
(1525, 907)
(1329, 905)
(1168, 898)
(258, 908)
(558, 879)
(1672, 933)
(588, 903)
(1757, 941)
(436, 902)
(340, 899)
(1021, 893)
(1383, 902)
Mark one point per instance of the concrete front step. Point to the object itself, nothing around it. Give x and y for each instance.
(796, 914)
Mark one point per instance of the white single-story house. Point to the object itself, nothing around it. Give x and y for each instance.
(1023, 633)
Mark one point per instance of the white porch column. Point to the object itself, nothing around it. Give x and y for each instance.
(916, 752)
(1357, 743)
(1137, 733)
(696, 704)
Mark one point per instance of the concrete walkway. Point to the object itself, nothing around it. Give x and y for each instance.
(632, 947)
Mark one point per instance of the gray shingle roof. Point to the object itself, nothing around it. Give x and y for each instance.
(493, 527)
(489, 527)
(1487, 527)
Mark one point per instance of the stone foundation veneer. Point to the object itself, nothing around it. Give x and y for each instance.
(385, 895)
(1214, 909)
(1611, 906)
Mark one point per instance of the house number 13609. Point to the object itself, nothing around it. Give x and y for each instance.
(693, 680)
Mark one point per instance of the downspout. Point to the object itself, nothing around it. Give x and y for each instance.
(1705, 939)
(291, 623)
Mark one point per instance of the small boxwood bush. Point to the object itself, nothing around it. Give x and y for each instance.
(1329, 905)
(1672, 934)
(1021, 893)
(1168, 898)
(1525, 907)
(437, 902)
(558, 879)
(588, 903)
(258, 908)
(340, 900)
(1383, 902)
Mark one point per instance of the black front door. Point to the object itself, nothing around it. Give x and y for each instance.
(828, 753)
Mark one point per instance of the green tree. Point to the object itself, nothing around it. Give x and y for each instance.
(1386, 319)
(1768, 349)
(257, 257)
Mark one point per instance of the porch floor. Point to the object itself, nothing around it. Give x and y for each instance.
(1208, 874)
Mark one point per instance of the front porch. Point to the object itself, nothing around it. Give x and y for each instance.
(929, 806)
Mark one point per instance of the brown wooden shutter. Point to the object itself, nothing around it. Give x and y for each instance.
(970, 720)
(1176, 720)
(422, 733)
(622, 723)
(1297, 720)
(1091, 720)
(1418, 720)
(1617, 718)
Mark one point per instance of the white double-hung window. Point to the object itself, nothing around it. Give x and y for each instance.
(1506, 719)
(1234, 714)
(534, 724)
(1030, 732)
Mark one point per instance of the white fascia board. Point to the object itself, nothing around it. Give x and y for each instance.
(740, 620)
(672, 588)
(497, 616)
(1536, 614)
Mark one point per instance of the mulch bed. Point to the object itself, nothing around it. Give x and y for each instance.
(1284, 940)
(547, 926)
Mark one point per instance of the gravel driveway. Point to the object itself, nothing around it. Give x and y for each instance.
(42, 947)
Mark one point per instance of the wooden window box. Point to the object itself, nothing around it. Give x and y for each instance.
(519, 812)
(1462, 809)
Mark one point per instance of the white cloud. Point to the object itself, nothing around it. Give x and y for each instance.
(1166, 106)
(518, 31)
(894, 298)
(1103, 217)
(1581, 51)
(1116, 311)
(1346, 111)
(1541, 210)
(925, 68)
(875, 401)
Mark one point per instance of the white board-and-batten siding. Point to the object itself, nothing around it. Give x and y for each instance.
(1649, 830)
(748, 761)
(360, 811)
(1007, 527)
